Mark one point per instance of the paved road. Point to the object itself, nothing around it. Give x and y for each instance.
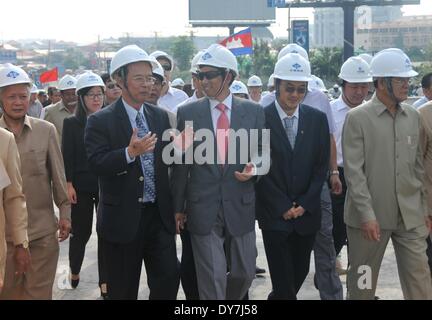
(388, 283)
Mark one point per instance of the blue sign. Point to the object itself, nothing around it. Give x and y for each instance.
(276, 3)
(7, 56)
(300, 32)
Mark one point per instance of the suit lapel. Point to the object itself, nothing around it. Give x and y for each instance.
(125, 124)
(302, 125)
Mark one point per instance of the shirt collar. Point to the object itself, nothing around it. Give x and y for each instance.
(227, 102)
(381, 107)
(282, 113)
(341, 105)
(131, 111)
(26, 123)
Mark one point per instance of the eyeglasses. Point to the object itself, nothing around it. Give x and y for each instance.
(166, 67)
(401, 81)
(93, 96)
(209, 75)
(145, 80)
(113, 86)
(300, 90)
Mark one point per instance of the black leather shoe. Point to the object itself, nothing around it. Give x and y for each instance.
(259, 270)
(74, 283)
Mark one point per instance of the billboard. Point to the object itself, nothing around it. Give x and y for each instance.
(300, 32)
(8, 56)
(230, 12)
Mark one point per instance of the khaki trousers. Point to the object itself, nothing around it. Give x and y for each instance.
(410, 250)
(37, 283)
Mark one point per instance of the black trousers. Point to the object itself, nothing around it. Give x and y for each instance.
(157, 248)
(339, 227)
(187, 268)
(82, 224)
(288, 257)
(429, 253)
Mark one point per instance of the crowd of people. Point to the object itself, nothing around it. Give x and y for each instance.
(351, 167)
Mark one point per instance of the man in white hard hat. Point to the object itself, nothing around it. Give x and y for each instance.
(178, 83)
(35, 108)
(217, 197)
(326, 279)
(254, 85)
(426, 84)
(356, 79)
(136, 217)
(239, 89)
(289, 197)
(196, 84)
(64, 108)
(170, 97)
(13, 211)
(384, 173)
(43, 183)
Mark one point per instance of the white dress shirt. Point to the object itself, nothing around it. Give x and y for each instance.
(283, 115)
(215, 112)
(340, 110)
(172, 99)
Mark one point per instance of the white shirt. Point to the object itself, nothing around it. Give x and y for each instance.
(172, 99)
(132, 114)
(315, 99)
(420, 102)
(215, 112)
(340, 110)
(188, 100)
(283, 115)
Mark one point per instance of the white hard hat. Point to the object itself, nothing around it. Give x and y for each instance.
(67, 82)
(392, 62)
(34, 89)
(88, 80)
(270, 82)
(158, 70)
(161, 54)
(293, 48)
(194, 65)
(220, 57)
(177, 82)
(128, 55)
(254, 81)
(238, 87)
(316, 83)
(293, 67)
(366, 57)
(10, 75)
(355, 70)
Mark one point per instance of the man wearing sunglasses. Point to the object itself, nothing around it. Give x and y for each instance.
(289, 197)
(386, 197)
(170, 97)
(112, 91)
(217, 198)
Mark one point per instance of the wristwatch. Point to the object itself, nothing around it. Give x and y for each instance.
(334, 173)
(24, 245)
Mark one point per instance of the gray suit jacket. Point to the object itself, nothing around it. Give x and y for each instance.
(202, 191)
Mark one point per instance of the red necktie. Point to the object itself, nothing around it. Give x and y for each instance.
(222, 133)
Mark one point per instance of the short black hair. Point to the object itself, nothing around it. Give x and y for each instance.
(106, 77)
(426, 81)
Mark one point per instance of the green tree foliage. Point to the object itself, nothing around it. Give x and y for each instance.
(183, 50)
(326, 64)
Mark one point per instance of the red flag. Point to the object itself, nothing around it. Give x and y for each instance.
(49, 76)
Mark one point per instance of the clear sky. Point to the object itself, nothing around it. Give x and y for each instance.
(83, 20)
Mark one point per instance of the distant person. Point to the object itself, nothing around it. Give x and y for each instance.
(56, 113)
(112, 89)
(170, 97)
(196, 84)
(42, 97)
(178, 83)
(426, 84)
(54, 96)
(255, 85)
(35, 107)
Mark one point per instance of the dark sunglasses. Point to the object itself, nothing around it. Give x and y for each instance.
(113, 85)
(166, 67)
(294, 89)
(209, 74)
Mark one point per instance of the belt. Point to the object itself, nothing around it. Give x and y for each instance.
(149, 204)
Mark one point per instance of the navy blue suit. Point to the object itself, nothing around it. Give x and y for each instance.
(295, 176)
(132, 230)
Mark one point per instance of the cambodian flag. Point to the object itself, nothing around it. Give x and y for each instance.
(239, 43)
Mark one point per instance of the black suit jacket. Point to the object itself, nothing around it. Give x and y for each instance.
(75, 157)
(295, 175)
(108, 133)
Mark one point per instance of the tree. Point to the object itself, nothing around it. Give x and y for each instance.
(183, 50)
(326, 63)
